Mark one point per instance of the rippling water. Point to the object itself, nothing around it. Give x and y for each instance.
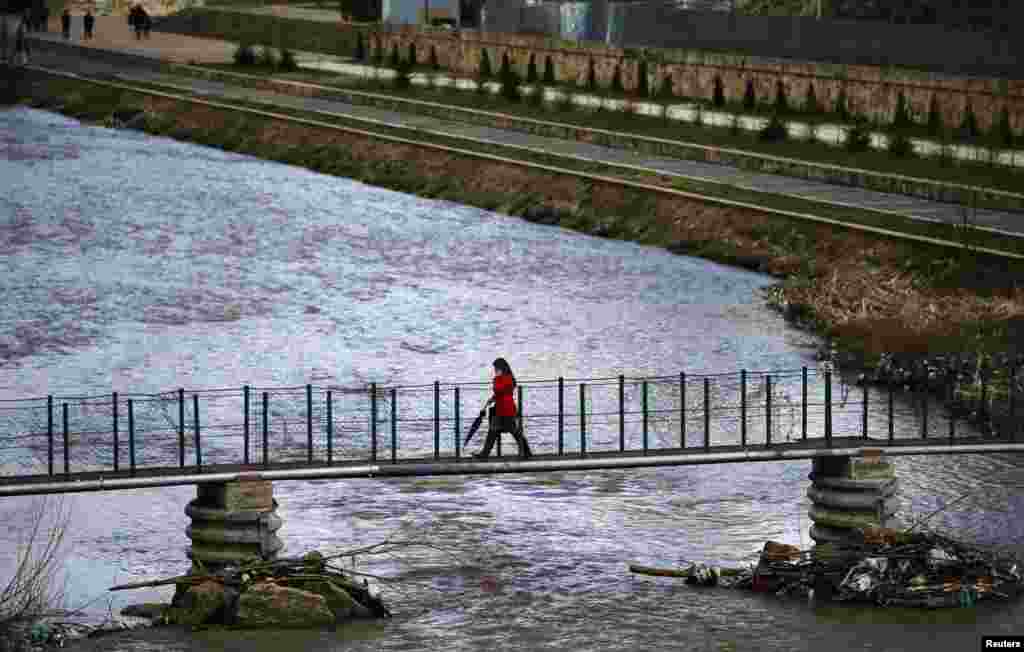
(133, 263)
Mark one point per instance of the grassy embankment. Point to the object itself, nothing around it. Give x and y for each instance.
(870, 296)
(297, 34)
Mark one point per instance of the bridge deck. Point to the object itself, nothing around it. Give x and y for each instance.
(451, 465)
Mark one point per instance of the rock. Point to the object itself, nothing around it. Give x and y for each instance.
(149, 610)
(201, 604)
(267, 604)
(339, 601)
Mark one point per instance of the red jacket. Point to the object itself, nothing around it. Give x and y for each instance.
(505, 405)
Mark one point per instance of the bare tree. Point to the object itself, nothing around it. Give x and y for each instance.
(31, 591)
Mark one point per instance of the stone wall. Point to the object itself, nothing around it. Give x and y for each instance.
(871, 91)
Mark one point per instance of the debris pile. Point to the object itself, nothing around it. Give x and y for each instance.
(298, 592)
(890, 568)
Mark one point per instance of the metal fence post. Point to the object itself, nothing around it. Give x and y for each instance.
(561, 415)
(892, 426)
(394, 425)
(49, 433)
(195, 419)
(116, 442)
(707, 413)
(373, 422)
(644, 398)
(682, 409)
(266, 429)
(622, 412)
(458, 450)
(330, 428)
(828, 407)
(983, 408)
(181, 427)
(803, 403)
(864, 411)
(437, 419)
(522, 411)
(1011, 375)
(583, 420)
(245, 424)
(924, 414)
(131, 436)
(743, 407)
(952, 411)
(67, 462)
(309, 423)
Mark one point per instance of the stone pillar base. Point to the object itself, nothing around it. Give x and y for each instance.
(233, 522)
(849, 494)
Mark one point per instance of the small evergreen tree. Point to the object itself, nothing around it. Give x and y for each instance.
(617, 79)
(531, 70)
(396, 60)
(485, 65)
(591, 76)
(1005, 131)
(935, 126)
(506, 66)
(245, 55)
(360, 52)
(643, 88)
(549, 71)
(378, 52)
(841, 109)
(858, 136)
(900, 145)
(901, 118)
(775, 130)
(412, 53)
(749, 98)
(811, 103)
(665, 89)
(287, 62)
(509, 80)
(781, 99)
(718, 98)
(969, 126)
(434, 63)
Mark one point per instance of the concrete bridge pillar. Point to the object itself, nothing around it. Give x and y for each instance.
(849, 493)
(233, 521)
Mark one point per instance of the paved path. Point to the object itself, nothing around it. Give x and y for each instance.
(207, 49)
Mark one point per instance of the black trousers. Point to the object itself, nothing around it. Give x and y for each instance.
(510, 425)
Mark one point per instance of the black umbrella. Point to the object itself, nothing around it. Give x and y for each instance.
(476, 425)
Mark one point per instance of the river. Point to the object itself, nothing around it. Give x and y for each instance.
(133, 263)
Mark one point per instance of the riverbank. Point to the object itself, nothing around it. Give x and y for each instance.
(897, 308)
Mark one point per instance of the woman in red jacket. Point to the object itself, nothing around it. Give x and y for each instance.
(504, 419)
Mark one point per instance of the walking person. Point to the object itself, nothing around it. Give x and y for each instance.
(65, 24)
(504, 415)
(135, 20)
(88, 22)
(21, 42)
(147, 22)
(4, 36)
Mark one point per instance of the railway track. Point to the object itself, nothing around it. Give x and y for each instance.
(889, 224)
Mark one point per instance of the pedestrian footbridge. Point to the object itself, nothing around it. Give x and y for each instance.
(233, 443)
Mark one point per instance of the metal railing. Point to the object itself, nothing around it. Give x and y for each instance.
(318, 425)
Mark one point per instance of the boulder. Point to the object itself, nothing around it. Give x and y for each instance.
(201, 604)
(339, 600)
(148, 610)
(267, 604)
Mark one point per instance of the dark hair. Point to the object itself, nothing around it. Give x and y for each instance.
(501, 364)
